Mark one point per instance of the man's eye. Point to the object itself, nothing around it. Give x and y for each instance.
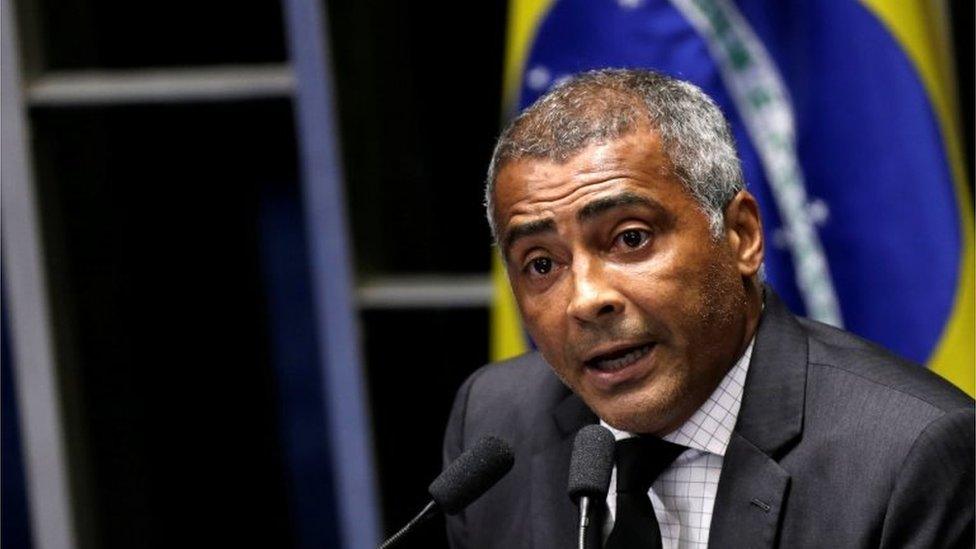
(633, 238)
(540, 265)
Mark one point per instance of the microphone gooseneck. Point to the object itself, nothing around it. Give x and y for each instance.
(427, 512)
(463, 481)
(589, 472)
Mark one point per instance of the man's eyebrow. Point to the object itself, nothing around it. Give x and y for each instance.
(601, 205)
(523, 230)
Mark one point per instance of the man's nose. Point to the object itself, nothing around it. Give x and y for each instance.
(594, 298)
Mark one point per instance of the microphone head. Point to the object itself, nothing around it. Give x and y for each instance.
(591, 464)
(472, 474)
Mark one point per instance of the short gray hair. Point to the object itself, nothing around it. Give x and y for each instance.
(602, 105)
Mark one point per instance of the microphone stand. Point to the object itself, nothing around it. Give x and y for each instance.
(584, 520)
(427, 512)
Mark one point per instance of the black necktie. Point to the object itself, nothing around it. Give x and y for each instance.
(639, 462)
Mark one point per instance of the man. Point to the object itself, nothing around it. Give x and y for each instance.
(635, 254)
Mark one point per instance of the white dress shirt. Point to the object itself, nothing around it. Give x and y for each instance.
(684, 494)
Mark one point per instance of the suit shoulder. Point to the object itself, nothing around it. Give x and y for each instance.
(513, 376)
(850, 359)
(511, 397)
(522, 384)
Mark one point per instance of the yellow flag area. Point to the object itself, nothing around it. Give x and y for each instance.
(523, 22)
(922, 31)
(507, 336)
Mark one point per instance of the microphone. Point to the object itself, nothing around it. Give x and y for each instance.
(589, 471)
(472, 474)
(463, 481)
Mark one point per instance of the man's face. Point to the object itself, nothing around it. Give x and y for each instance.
(620, 283)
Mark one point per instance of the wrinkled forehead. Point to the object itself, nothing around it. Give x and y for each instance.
(526, 182)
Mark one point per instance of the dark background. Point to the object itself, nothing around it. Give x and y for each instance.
(165, 284)
(164, 227)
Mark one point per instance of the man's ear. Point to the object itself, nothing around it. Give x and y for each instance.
(743, 231)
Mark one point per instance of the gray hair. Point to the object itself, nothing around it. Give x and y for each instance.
(599, 106)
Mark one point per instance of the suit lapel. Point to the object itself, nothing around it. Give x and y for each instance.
(750, 494)
(753, 486)
(553, 514)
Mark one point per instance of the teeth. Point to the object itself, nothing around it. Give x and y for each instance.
(624, 361)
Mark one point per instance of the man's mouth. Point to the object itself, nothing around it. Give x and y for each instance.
(618, 359)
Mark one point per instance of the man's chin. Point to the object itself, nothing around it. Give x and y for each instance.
(635, 415)
(632, 423)
(649, 406)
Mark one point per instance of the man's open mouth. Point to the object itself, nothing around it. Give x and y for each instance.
(619, 359)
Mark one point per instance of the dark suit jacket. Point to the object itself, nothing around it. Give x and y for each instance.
(838, 444)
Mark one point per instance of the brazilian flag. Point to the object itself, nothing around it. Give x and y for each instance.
(847, 126)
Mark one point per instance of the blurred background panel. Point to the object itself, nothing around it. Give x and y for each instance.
(167, 171)
(113, 34)
(152, 223)
(420, 94)
(419, 88)
(180, 396)
(245, 262)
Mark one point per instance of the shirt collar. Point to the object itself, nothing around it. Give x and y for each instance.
(709, 429)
